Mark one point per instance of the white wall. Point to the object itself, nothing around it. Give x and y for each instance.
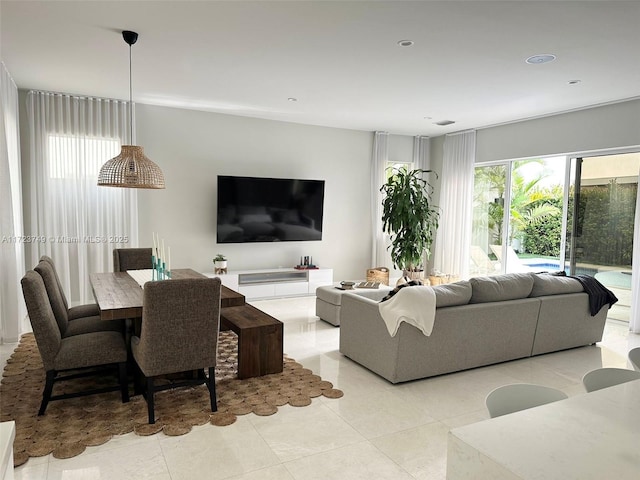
(600, 128)
(193, 147)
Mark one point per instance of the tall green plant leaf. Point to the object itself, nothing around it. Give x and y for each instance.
(409, 217)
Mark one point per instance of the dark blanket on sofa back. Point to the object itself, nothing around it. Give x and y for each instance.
(599, 295)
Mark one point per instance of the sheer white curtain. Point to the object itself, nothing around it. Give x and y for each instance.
(456, 204)
(12, 308)
(70, 138)
(634, 319)
(421, 146)
(379, 255)
(422, 160)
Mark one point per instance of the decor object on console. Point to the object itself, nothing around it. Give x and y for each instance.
(410, 219)
(220, 264)
(378, 274)
(490, 319)
(306, 263)
(132, 168)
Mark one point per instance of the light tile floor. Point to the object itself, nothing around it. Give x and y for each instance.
(376, 431)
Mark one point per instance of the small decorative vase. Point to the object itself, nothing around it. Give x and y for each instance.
(220, 266)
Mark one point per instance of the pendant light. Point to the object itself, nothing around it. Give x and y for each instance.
(131, 169)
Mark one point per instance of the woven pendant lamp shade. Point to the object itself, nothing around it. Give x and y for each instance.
(131, 169)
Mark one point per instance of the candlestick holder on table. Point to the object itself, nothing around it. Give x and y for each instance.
(159, 270)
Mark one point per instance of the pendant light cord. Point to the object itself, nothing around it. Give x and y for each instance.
(130, 102)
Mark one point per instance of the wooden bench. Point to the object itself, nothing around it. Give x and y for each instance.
(260, 340)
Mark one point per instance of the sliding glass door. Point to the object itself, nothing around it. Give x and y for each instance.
(488, 218)
(518, 221)
(601, 223)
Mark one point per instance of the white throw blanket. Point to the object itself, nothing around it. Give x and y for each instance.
(414, 305)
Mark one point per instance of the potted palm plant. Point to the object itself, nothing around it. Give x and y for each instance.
(410, 218)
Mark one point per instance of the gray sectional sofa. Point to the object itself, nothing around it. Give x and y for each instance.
(478, 322)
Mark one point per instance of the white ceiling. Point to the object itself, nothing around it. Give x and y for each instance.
(339, 59)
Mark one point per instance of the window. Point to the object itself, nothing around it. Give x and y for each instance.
(64, 150)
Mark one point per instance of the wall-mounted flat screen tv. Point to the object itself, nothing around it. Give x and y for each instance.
(257, 209)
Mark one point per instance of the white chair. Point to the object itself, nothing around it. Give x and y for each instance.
(520, 396)
(514, 264)
(481, 263)
(634, 358)
(608, 377)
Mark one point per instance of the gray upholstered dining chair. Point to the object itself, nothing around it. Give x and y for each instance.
(82, 352)
(520, 396)
(79, 324)
(608, 377)
(131, 259)
(79, 311)
(180, 325)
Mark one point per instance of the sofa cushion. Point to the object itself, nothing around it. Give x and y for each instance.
(498, 288)
(546, 284)
(452, 294)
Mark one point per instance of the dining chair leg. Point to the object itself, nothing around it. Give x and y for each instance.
(137, 380)
(150, 406)
(211, 385)
(48, 389)
(124, 381)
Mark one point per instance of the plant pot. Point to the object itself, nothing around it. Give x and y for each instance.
(409, 275)
(220, 266)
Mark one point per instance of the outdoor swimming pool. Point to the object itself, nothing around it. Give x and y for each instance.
(546, 265)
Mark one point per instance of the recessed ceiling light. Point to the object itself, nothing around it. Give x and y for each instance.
(405, 43)
(443, 123)
(574, 82)
(292, 99)
(538, 59)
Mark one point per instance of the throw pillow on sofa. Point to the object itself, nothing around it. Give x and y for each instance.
(452, 294)
(548, 284)
(499, 288)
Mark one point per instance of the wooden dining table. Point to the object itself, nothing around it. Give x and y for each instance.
(119, 296)
(260, 336)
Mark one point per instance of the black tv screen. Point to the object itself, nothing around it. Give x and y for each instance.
(256, 209)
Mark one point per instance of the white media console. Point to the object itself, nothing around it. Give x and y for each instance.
(276, 282)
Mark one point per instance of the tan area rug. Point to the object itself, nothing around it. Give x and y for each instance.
(69, 426)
